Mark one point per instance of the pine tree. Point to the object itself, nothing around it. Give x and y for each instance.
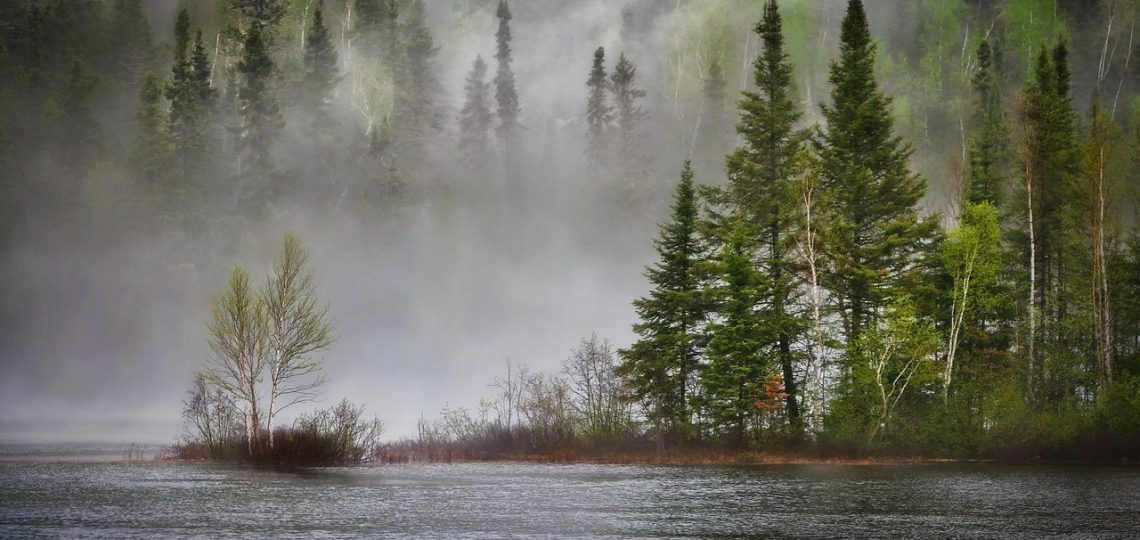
(191, 98)
(417, 85)
(132, 42)
(628, 113)
(80, 128)
(506, 95)
(261, 114)
(714, 136)
(267, 13)
(475, 119)
(149, 153)
(988, 151)
(877, 233)
(740, 342)
(660, 365)
(321, 74)
(1050, 161)
(598, 113)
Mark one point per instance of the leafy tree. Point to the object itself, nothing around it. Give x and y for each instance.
(598, 112)
(297, 328)
(739, 343)
(972, 256)
(877, 233)
(506, 95)
(475, 119)
(661, 363)
(238, 343)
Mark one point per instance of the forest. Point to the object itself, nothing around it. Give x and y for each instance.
(892, 229)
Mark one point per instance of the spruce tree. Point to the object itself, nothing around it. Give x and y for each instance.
(417, 85)
(475, 119)
(739, 344)
(714, 138)
(878, 233)
(598, 113)
(988, 150)
(506, 95)
(149, 153)
(320, 71)
(191, 98)
(661, 364)
(80, 128)
(132, 42)
(628, 113)
(261, 115)
(761, 191)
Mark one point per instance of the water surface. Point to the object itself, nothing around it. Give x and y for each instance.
(82, 498)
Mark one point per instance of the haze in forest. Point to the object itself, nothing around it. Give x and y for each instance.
(435, 270)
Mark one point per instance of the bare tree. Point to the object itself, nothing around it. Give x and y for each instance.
(600, 398)
(238, 343)
(298, 327)
(211, 418)
(511, 393)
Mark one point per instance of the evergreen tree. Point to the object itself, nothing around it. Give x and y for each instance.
(598, 112)
(739, 343)
(714, 137)
(321, 74)
(261, 114)
(475, 119)
(80, 128)
(761, 192)
(1051, 236)
(190, 98)
(149, 153)
(988, 147)
(417, 86)
(628, 112)
(267, 13)
(877, 232)
(132, 42)
(506, 95)
(661, 364)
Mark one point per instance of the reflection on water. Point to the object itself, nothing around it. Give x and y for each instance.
(478, 500)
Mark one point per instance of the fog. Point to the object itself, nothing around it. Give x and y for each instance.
(106, 299)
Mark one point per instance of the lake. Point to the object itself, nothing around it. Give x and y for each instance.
(42, 496)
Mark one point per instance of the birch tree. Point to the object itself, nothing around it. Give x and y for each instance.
(972, 257)
(238, 343)
(298, 327)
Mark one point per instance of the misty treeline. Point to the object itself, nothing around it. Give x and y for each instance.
(263, 344)
(971, 294)
(809, 301)
(1012, 331)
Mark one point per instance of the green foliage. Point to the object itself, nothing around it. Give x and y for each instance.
(989, 147)
(877, 233)
(740, 341)
(661, 363)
